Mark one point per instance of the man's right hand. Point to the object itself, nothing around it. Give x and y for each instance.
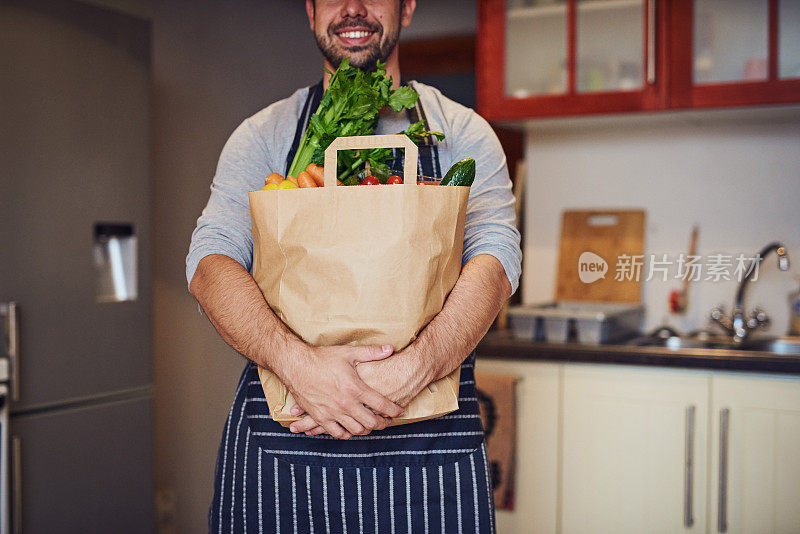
(325, 384)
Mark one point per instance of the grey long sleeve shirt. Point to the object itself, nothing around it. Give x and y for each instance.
(259, 147)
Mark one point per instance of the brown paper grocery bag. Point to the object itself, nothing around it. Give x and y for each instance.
(359, 265)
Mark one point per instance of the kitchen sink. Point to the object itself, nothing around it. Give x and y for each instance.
(778, 345)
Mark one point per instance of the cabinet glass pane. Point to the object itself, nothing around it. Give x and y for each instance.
(536, 47)
(730, 40)
(789, 39)
(610, 45)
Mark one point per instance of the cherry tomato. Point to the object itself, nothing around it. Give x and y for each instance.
(394, 179)
(370, 180)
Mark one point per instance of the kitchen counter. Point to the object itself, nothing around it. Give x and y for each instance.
(502, 345)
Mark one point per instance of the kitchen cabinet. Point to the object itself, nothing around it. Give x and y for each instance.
(755, 463)
(546, 58)
(633, 451)
(535, 495)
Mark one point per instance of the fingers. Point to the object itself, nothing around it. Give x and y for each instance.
(379, 404)
(316, 431)
(371, 353)
(303, 425)
(334, 429)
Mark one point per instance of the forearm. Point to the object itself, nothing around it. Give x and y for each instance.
(237, 309)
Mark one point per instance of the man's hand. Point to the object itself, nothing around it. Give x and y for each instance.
(323, 379)
(327, 386)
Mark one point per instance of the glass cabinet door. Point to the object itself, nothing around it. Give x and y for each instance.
(731, 40)
(609, 45)
(789, 39)
(536, 48)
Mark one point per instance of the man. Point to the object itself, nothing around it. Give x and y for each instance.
(339, 468)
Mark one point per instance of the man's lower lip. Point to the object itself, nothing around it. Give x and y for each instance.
(355, 41)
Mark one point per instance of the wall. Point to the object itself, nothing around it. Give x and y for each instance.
(735, 174)
(214, 63)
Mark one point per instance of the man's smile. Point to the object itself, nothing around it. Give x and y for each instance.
(355, 36)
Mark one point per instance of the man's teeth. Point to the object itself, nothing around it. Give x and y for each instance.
(355, 35)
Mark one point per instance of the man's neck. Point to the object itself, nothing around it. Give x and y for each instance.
(392, 69)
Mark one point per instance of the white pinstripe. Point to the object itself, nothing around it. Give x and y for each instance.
(294, 498)
(360, 509)
(325, 499)
(441, 496)
(254, 382)
(391, 499)
(475, 495)
(488, 488)
(341, 499)
(244, 480)
(408, 498)
(259, 416)
(277, 498)
(260, 511)
(308, 497)
(233, 472)
(466, 382)
(363, 455)
(425, 496)
(468, 399)
(225, 459)
(255, 399)
(375, 496)
(458, 496)
(461, 416)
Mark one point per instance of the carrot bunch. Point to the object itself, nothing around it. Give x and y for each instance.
(311, 177)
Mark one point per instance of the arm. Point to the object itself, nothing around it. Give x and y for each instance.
(322, 379)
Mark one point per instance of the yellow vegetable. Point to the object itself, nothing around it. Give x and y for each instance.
(270, 187)
(287, 184)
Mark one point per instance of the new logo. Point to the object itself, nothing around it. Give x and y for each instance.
(591, 267)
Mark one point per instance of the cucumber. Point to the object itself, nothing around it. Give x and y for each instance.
(461, 173)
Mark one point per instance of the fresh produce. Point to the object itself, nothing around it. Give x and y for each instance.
(291, 178)
(304, 179)
(317, 173)
(370, 180)
(287, 184)
(273, 178)
(350, 106)
(272, 186)
(461, 173)
(394, 179)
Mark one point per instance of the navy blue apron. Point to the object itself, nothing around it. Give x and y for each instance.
(424, 477)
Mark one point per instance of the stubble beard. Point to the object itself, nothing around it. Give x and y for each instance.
(364, 57)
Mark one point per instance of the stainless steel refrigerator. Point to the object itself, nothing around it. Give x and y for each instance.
(75, 262)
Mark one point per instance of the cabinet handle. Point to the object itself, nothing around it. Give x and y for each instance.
(651, 41)
(722, 507)
(16, 444)
(688, 511)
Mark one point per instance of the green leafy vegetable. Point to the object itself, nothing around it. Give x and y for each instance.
(351, 106)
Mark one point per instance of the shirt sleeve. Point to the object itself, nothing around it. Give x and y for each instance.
(224, 226)
(490, 226)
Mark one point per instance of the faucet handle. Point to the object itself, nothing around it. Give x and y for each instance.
(758, 319)
(718, 312)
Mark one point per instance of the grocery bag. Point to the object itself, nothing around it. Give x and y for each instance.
(360, 265)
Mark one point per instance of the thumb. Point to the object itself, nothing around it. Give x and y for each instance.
(371, 353)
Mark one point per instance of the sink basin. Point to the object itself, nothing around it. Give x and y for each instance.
(779, 345)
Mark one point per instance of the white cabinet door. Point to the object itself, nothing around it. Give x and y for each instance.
(755, 451)
(536, 477)
(634, 450)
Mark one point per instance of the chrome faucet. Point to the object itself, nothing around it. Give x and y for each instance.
(738, 325)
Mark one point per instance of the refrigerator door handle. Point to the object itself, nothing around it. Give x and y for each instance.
(8, 310)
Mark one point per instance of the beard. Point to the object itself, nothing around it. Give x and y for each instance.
(364, 57)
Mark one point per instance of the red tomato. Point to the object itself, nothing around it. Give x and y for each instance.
(394, 179)
(370, 180)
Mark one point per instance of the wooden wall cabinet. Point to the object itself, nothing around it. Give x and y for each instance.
(548, 58)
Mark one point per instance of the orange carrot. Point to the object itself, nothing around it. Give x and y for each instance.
(273, 178)
(304, 179)
(292, 179)
(316, 173)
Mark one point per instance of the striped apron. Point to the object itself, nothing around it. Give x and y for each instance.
(428, 476)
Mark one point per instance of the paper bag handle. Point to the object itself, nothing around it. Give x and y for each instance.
(372, 141)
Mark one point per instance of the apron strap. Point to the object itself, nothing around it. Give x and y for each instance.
(428, 163)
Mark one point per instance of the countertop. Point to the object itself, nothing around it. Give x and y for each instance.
(502, 345)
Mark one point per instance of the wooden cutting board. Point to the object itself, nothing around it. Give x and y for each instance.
(593, 243)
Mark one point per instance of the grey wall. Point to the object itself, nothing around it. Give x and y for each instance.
(215, 63)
